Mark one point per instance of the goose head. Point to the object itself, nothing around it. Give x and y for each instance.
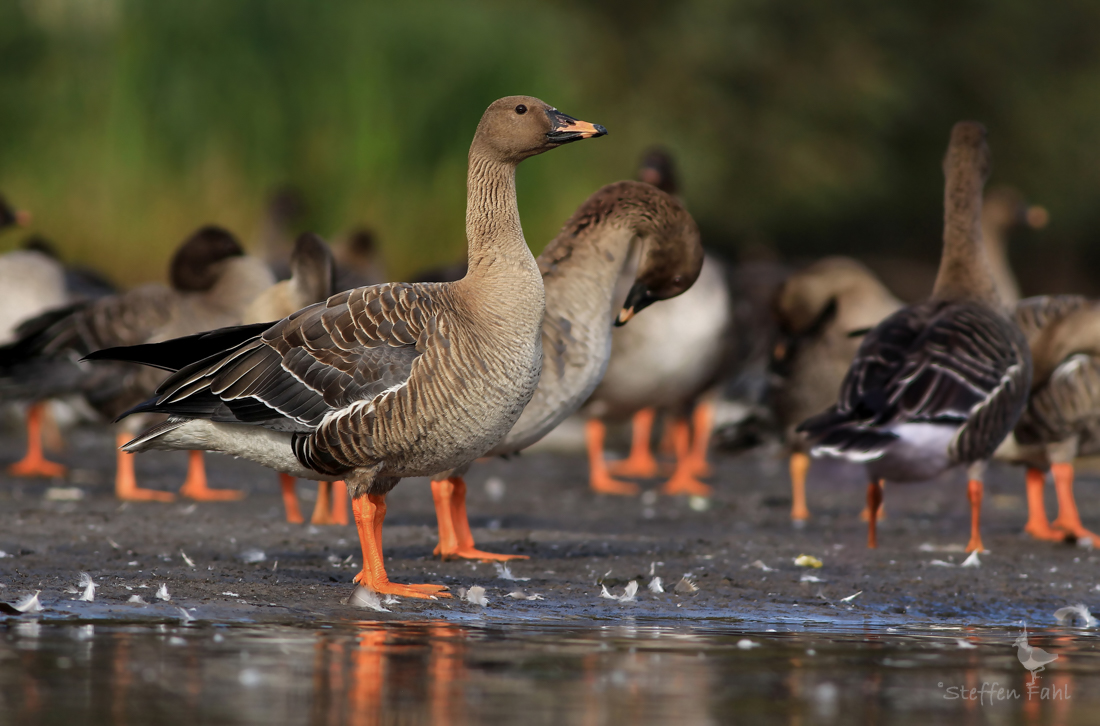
(1004, 207)
(519, 127)
(198, 263)
(313, 268)
(10, 217)
(659, 170)
(670, 262)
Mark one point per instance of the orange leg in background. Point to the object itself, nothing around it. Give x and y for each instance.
(322, 510)
(1069, 519)
(640, 463)
(126, 487)
(865, 515)
(290, 499)
(194, 487)
(34, 463)
(702, 424)
(598, 477)
(799, 465)
(340, 502)
(370, 511)
(683, 480)
(1037, 524)
(456, 541)
(974, 491)
(874, 501)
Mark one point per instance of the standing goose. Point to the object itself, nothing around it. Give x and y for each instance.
(383, 382)
(818, 308)
(627, 230)
(667, 360)
(941, 383)
(1004, 209)
(1062, 418)
(212, 282)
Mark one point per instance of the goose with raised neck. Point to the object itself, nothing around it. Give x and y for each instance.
(939, 384)
(627, 234)
(385, 382)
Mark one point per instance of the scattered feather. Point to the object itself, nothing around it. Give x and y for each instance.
(495, 488)
(29, 604)
(114, 545)
(698, 503)
(476, 596)
(162, 592)
(964, 644)
(655, 585)
(521, 595)
(137, 600)
(252, 556)
(686, 585)
(759, 564)
(230, 594)
(1075, 613)
(746, 644)
(505, 573)
(808, 561)
(89, 587)
(185, 617)
(929, 547)
(391, 599)
(64, 494)
(941, 563)
(190, 562)
(851, 597)
(629, 592)
(364, 598)
(972, 560)
(810, 578)
(4, 554)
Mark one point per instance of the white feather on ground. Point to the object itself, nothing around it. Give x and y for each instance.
(252, 556)
(364, 598)
(972, 560)
(851, 597)
(190, 562)
(89, 588)
(629, 592)
(29, 604)
(504, 572)
(521, 595)
(137, 600)
(656, 585)
(162, 592)
(686, 585)
(476, 596)
(1074, 613)
(759, 564)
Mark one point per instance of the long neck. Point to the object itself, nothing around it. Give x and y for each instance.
(493, 229)
(964, 273)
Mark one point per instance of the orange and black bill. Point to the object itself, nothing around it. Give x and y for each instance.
(564, 129)
(637, 300)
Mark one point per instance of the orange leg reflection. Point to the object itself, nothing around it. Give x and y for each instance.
(34, 463)
(599, 479)
(640, 462)
(456, 541)
(446, 671)
(367, 679)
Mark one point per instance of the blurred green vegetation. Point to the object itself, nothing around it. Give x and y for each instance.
(802, 128)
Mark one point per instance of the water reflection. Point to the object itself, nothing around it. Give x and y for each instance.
(368, 673)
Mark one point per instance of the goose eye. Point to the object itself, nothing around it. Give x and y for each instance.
(521, 109)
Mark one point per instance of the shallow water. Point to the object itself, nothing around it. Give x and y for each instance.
(445, 672)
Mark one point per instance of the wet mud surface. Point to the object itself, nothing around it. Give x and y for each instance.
(250, 565)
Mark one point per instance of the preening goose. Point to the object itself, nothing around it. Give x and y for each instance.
(666, 360)
(624, 230)
(1062, 418)
(941, 383)
(382, 382)
(818, 308)
(212, 283)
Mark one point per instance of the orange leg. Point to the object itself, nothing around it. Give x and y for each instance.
(640, 463)
(322, 510)
(290, 499)
(34, 463)
(598, 477)
(340, 502)
(456, 541)
(874, 501)
(799, 465)
(702, 424)
(370, 511)
(126, 487)
(1037, 524)
(1069, 519)
(865, 515)
(195, 485)
(974, 492)
(683, 480)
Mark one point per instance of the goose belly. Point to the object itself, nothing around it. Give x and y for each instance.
(919, 453)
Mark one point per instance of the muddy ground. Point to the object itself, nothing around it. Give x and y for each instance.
(575, 540)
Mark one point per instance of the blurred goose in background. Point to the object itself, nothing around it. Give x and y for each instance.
(1004, 209)
(625, 232)
(668, 359)
(212, 283)
(359, 261)
(941, 383)
(819, 308)
(383, 382)
(275, 240)
(1062, 418)
(11, 217)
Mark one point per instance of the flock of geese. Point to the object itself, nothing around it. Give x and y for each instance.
(331, 376)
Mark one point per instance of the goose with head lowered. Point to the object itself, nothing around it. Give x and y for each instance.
(938, 384)
(383, 382)
(625, 230)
